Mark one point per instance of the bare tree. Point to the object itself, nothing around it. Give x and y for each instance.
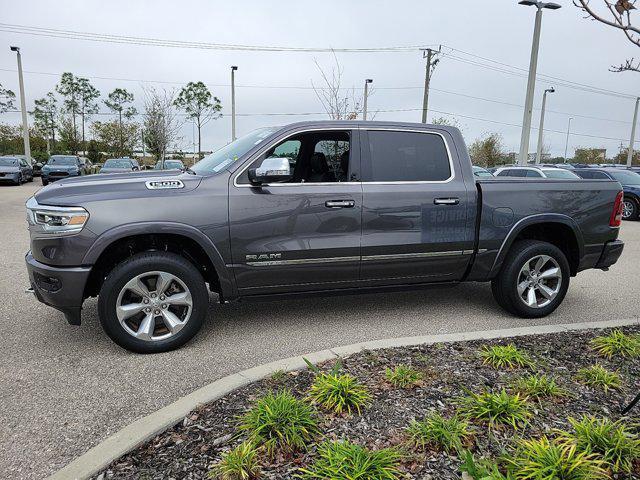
(161, 124)
(618, 16)
(339, 102)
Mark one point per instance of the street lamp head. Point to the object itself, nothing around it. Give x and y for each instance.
(15, 49)
(549, 5)
(550, 90)
(233, 67)
(528, 3)
(369, 80)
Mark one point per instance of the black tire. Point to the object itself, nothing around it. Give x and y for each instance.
(633, 209)
(44, 182)
(505, 286)
(140, 264)
(30, 179)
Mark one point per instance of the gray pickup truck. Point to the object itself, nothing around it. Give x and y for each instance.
(311, 208)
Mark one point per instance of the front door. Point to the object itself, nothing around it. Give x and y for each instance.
(303, 234)
(415, 224)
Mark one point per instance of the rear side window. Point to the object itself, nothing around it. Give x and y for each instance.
(533, 173)
(407, 157)
(599, 175)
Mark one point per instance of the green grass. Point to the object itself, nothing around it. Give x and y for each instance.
(613, 442)
(348, 461)
(542, 459)
(481, 469)
(539, 386)
(505, 356)
(499, 408)
(617, 343)
(339, 393)
(438, 432)
(403, 376)
(599, 377)
(278, 376)
(280, 422)
(240, 463)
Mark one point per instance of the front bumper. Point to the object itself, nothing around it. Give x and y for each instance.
(60, 288)
(610, 254)
(53, 176)
(10, 177)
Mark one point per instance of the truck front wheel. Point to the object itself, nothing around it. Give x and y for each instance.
(153, 302)
(533, 280)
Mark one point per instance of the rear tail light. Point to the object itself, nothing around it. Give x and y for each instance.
(616, 214)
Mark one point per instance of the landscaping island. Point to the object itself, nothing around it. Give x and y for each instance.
(532, 407)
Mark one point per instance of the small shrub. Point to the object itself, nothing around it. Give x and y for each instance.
(617, 343)
(612, 442)
(346, 461)
(280, 422)
(497, 408)
(439, 432)
(505, 356)
(403, 376)
(542, 459)
(600, 377)
(240, 463)
(481, 469)
(278, 376)
(339, 393)
(540, 386)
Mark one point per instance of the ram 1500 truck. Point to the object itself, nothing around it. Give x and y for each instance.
(311, 208)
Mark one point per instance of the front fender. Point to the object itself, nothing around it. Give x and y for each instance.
(227, 282)
(538, 219)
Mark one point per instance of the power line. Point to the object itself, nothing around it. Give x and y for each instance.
(302, 87)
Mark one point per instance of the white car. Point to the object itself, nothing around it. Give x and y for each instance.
(536, 172)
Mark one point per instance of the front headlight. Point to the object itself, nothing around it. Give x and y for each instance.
(55, 220)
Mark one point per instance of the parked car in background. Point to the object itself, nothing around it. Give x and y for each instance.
(15, 170)
(536, 172)
(481, 172)
(395, 206)
(169, 165)
(120, 165)
(62, 166)
(629, 180)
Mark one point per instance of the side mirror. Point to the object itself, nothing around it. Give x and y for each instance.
(272, 169)
(135, 168)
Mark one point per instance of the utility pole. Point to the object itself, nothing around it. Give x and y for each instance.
(633, 134)
(23, 107)
(566, 145)
(233, 102)
(541, 129)
(366, 96)
(531, 82)
(428, 53)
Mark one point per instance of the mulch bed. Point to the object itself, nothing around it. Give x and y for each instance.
(188, 450)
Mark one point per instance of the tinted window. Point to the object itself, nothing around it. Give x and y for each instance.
(561, 174)
(63, 161)
(407, 156)
(512, 172)
(599, 175)
(8, 162)
(532, 173)
(626, 178)
(117, 163)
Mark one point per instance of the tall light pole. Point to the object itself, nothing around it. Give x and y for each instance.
(233, 102)
(366, 96)
(566, 145)
(531, 82)
(23, 107)
(429, 53)
(541, 129)
(633, 133)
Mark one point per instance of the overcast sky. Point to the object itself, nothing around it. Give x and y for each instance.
(572, 49)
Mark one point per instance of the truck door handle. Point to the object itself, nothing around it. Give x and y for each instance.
(340, 204)
(446, 201)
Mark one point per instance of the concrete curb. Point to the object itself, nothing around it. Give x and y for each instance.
(145, 428)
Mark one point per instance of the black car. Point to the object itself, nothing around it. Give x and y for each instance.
(15, 170)
(630, 181)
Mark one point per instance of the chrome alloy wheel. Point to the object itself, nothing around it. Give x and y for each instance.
(539, 281)
(627, 209)
(154, 306)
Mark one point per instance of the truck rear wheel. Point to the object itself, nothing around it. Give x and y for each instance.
(533, 280)
(153, 302)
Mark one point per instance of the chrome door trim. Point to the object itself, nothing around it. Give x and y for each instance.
(397, 256)
(303, 261)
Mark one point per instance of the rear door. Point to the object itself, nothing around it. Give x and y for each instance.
(304, 234)
(415, 223)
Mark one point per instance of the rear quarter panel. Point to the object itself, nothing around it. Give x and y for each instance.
(510, 205)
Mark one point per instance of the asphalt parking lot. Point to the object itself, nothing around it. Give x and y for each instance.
(65, 388)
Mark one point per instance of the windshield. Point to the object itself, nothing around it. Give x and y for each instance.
(117, 163)
(8, 162)
(626, 178)
(228, 154)
(566, 174)
(62, 161)
(170, 164)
